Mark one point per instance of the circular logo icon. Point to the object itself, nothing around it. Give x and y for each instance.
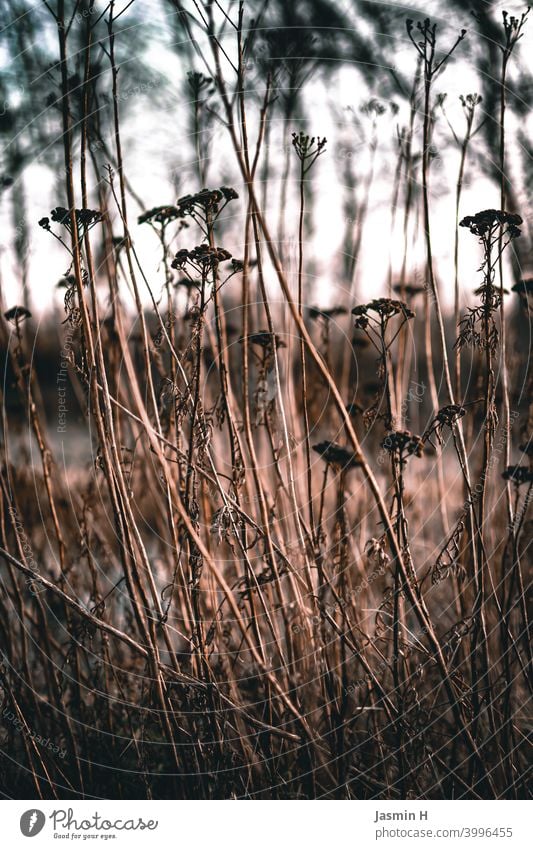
(32, 822)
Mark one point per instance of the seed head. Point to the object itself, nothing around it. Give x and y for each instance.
(17, 314)
(162, 215)
(326, 314)
(202, 256)
(205, 202)
(384, 307)
(484, 223)
(85, 219)
(337, 455)
(403, 442)
(411, 289)
(518, 475)
(264, 339)
(308, 146)
(450, 414)
(524, 287)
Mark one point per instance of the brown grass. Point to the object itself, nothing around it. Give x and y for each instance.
(198, 604)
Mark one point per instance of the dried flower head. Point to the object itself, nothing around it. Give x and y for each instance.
(482, 289)
(337, 455)
(470, 101)
(60, 215)
(450, 414)
(485, 223)
(17, 314)
(373, 107)
(446, 417)
(200, 84)
(264, 339)
(403, 443)
(206, 203)
(410, 289)
(385, 308)
(518, 475)
(66, 282)
(161, 215)
(524, 287)
(229, 193)
(425, 42)
(202, 257)
(495, 229)
(512, 29)
(361, 318)
(326, 314)
(85, 219)
(308, 147)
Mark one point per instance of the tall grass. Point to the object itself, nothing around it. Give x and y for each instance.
(266, 583)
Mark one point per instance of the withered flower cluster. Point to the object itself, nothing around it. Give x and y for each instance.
(200, 84)
(512, 27)
(427, 32)
(202, 257)
(337, 455)
(17, 314)
(490, 221)
(410, 289)
(446, 417)
(307, 147)
(385, 308)
(373, 319)
(518, 475)
(450, 414)
(326, 314)
(495, 229)
(470, 101)
(524, 287)
(264, 339)
(206, 202)
(85, 219)
(403, 443)
(162, 215)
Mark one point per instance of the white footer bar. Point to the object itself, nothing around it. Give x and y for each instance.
(267, 824)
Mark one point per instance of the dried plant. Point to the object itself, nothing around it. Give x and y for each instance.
(244, 553)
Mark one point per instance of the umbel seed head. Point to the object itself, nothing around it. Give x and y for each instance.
(484, 223)
(518, 475)
(17, 314)
(337, 455)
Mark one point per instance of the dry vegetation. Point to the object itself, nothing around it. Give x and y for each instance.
(295, 566)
